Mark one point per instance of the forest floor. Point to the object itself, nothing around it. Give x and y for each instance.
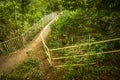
(9, 61)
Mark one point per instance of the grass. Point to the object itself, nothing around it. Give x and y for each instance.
(68, 30)
(28, 70)
(107, 67)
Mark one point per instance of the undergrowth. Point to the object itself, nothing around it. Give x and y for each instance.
(106, 67)
(28, 70)
(85, 26)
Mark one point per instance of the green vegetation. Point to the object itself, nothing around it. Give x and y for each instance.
(80, 21)
(105, 67)
(28, 70)
(16, 16)
(90, 21)
(75, 27)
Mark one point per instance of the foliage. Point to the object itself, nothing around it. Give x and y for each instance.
(88, 21)
(91, 73)
(73, 5)
(104, 69)
(80, 21)
(28, 70)
(18, 15)
(73, 26)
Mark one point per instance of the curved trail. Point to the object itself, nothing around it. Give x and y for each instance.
(8, 62)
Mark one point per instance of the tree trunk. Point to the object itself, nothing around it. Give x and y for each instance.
(15, 15)
(22, 7)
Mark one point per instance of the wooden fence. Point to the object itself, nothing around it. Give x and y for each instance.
(22, 40)
(51, 52)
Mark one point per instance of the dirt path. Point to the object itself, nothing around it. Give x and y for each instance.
(8, 62)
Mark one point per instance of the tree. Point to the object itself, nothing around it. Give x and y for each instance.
(18, 15)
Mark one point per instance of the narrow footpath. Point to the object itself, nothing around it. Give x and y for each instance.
(9, 61)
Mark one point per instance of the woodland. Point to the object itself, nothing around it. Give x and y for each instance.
(79, 22)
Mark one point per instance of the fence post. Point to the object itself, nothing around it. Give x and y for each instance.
(23, 40)
(5, 47)
(49, 57)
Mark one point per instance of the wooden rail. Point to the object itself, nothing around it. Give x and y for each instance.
(73, 65)
(84, 55)
(74, 56)
(85, 44)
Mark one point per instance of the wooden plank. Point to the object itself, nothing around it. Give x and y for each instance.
(74, 56)
(50, 62)
(59, 66)
(85, 44)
